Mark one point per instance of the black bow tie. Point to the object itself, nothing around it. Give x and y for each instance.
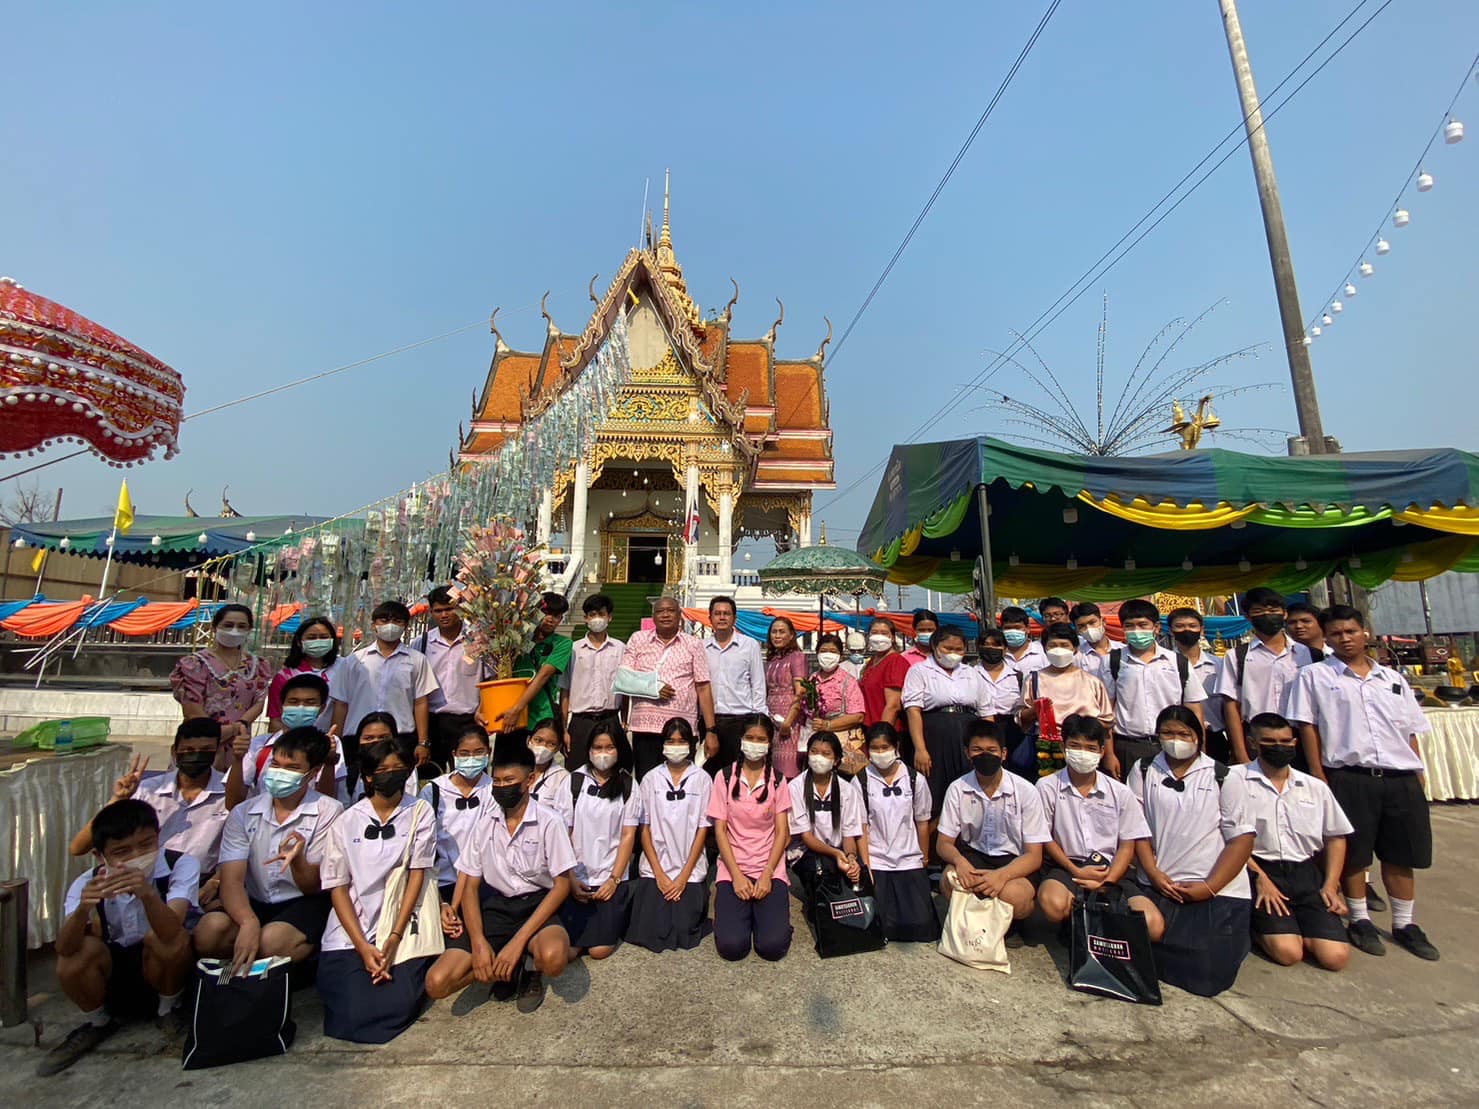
(893, 791)
(468, 802)
(380, 831)
(1172, 782)
(676, 794)
(593, 790)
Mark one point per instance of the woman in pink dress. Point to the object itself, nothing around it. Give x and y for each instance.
(224, 681)
(785, 669)
(839, 702)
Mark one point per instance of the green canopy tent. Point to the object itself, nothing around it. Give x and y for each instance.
(175, 542)
(1200, 522)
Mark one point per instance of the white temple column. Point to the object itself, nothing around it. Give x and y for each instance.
(579, 498)
(690, 497)
(804, 531)
(546, 514)
(726, 537)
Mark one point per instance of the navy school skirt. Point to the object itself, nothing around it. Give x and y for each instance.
(1205, 942)
(944, 739)
(362, 1013)
(662, 925)
(905, 905)
(597, 923)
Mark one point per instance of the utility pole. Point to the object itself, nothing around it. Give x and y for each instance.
(1306, 403)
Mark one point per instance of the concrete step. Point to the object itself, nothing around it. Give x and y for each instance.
(133, 714)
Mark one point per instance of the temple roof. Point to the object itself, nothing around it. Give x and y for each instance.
(776, 407)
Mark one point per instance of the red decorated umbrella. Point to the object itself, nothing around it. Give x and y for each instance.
(65, 379)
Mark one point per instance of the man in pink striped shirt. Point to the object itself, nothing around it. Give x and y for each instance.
(679, 660)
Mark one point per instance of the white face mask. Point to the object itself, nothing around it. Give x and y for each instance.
(231, 637)
(1094, 633)
(597, 624)
(603, 760)
(820, 764)
(389, 633)
(543, 756)
(754, 749)
(884, 760)
(1059, 657)
(144, 864)
(675, 753)
(880, 643)
(1178, 748)
(949, 661)
(1081, 762)
(829, 661)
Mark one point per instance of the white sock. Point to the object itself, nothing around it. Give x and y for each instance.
(1358, 909)
(168, 1003)
(98, 1016)
(1401, 913)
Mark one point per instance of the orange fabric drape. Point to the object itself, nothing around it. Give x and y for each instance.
(153, 617)
(44, 619)
(282, 612)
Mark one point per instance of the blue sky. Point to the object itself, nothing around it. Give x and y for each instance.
(257, 194)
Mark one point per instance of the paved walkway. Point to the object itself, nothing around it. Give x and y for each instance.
(901, 1027)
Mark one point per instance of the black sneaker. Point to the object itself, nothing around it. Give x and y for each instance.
(1412, 938)
(1364, 937)
(79, 1042)
(174, 1024)
(1013, 938)
(531, 991)
(1375, 901)
(504, 991)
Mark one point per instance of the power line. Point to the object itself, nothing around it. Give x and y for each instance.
(1098, 270)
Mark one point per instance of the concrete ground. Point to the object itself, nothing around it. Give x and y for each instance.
(894, 1028)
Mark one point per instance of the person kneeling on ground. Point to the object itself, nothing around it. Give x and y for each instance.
(1298, 902)
(895, 841)
(607, 809)
(1095, 823)
(123, 951)
(992, 826)
(518, 865)
(272, 904)
(1195, 865)
(826, 819)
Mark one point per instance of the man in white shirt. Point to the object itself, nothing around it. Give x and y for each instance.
(1359, 725)
(1145, 678)
(384, 676)
(1255, 674)
(1187, 630)
(737, 679)
(587, 700)
(1094, 642)
(453, 705)
(1024, 654)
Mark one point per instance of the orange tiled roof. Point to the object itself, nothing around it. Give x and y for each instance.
(798, 396)
(511, 374)
(802, 450)
(749, 366)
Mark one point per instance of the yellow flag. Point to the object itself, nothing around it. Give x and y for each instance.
(38, 560)
(123, 515)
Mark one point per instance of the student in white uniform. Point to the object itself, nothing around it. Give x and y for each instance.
(826, 819)
(1095, 822)
(1256, 673)
(122, 951)
(550, 782)
(518, 867)
(670, 902)
(462, 799)
(1003, 682)
(1145, 678)
(368, 997)
(608, 810)
(1195, 864)
(304, 697)
(896, 810)
(271, 900)
(992, 828)
(1298, 852)
(1188, 627)
(1024, 654)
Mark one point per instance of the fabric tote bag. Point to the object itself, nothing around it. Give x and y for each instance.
(423, 935)
(845, 916)
(975, 928)
(1110, 952)
(235, 1019)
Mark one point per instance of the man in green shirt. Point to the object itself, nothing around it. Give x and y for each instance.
(543, 665)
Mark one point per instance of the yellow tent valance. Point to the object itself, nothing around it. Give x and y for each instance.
(1171, 517)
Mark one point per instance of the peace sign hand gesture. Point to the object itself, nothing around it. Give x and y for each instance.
(128, 785)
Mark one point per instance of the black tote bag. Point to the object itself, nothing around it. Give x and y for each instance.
(845, 917)
(1110, 952)
(241, 1018)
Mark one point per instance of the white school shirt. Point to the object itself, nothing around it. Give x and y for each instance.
(364, 865)
(367, 681)
(1268, 675)
(1033, 658)
(850, 802)
(127, 922)
(590, 675)
(596, 830)
(893, 838)
(253, 835)
(193, 828)
(1092, 662)
(1079, 825)
(553, 791)
(457, 676)
(257, 783)
(930, 686)
(674, 820)
(1005, 692)
(1189, 828)
(1293, 824)
(456, 827)
(527, 861)
(1208, 669)
(1003, 823)
(1363, 721)
(1146, 687)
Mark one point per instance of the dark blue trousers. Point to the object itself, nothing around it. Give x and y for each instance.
(765, 923)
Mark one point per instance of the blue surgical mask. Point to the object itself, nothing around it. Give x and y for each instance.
(470, 766)
(922, 639)
(1015, 637)
(317, 648)
(299, 716)
(281, 782)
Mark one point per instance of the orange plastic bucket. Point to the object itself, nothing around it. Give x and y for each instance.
(496, 697)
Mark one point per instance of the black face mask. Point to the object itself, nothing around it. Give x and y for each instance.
(1267, 623)
(992, 656)
(1187, 638)
(508, 797)
(1277, 755)
(986, 765)
(194, 763)
(390, 782)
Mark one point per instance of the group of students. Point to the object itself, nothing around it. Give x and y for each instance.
(288, 852)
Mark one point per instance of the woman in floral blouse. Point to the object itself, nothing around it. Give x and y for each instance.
(785, 669)
(224, 681)
(839, 702)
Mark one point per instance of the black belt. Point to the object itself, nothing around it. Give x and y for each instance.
(732, 716)
(1371, 771)
(1121, 737)
(602, 715)
(961, 710)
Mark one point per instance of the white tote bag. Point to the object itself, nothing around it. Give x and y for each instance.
(975, 928)
(423, 934)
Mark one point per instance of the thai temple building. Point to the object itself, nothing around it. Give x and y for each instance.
(705, 417)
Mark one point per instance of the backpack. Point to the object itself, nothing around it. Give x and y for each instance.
(1242, 656)
(913, 777)
(1219, 771)
(1183, 669)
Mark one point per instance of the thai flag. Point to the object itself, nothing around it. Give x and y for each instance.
(690, 523)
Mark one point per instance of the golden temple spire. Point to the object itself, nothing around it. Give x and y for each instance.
(667, 261)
